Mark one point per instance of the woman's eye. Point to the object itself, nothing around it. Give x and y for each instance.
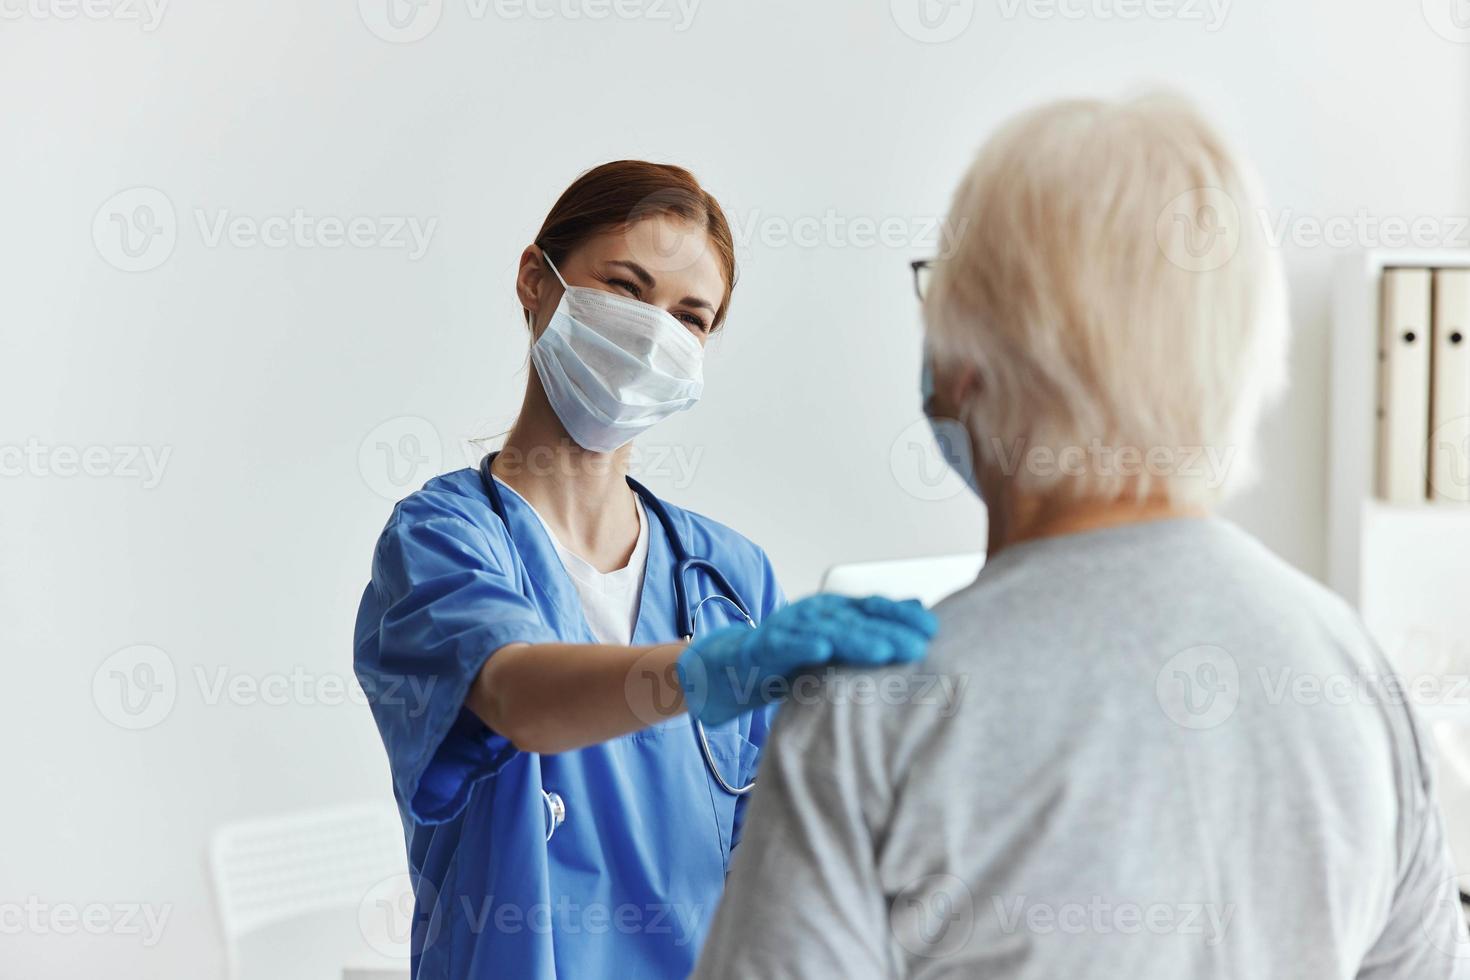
(697, 323)
(630, 288)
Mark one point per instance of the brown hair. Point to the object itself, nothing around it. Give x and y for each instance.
(623, 192)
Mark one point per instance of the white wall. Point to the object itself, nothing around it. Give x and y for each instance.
(263, 370)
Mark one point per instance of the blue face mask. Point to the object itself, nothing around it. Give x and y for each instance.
(952, 436)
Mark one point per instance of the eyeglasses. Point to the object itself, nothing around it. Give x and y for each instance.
(923, 273)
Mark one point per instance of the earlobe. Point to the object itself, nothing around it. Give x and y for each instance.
(966, 385)
(528, 282)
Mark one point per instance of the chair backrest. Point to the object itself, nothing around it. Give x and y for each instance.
(277, 869)
(1452, 740)
(925, 579)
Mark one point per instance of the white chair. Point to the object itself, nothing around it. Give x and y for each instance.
(307, 895)
(925, 579)
(1452, 746)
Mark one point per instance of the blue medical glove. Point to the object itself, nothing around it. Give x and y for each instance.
(728, 672)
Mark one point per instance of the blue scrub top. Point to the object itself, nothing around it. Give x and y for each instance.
(627, 886)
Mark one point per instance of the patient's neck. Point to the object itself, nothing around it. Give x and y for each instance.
(1027, 518)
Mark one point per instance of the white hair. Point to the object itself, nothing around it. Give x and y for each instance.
(1115, 293)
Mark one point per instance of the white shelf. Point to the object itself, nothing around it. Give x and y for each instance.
(1352, 507)
(1406, 567)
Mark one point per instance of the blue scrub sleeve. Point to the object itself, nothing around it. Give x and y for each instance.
(440, 603)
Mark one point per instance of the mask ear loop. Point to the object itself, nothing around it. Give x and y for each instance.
(554, 271)
(530, 320)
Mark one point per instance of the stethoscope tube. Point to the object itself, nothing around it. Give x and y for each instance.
(684, 616)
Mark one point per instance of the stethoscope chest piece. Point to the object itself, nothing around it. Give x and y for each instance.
(556, 812)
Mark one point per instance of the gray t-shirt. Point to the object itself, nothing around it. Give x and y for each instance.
(1154, 751)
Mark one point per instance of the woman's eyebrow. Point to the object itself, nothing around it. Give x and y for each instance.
(643, 276)
(639, 273)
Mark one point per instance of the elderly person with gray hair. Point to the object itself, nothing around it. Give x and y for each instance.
(1130, 786)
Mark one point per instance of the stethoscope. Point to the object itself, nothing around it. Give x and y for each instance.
(684, 616)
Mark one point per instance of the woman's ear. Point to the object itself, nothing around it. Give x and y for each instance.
(531, 284)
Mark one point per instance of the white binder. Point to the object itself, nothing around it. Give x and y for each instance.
(1403, 386)
(1449, 415)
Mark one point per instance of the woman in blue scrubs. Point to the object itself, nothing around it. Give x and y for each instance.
(521, 643)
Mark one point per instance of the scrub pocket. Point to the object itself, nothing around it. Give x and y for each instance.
(736, 758)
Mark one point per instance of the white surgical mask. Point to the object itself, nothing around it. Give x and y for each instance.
(612, 366)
